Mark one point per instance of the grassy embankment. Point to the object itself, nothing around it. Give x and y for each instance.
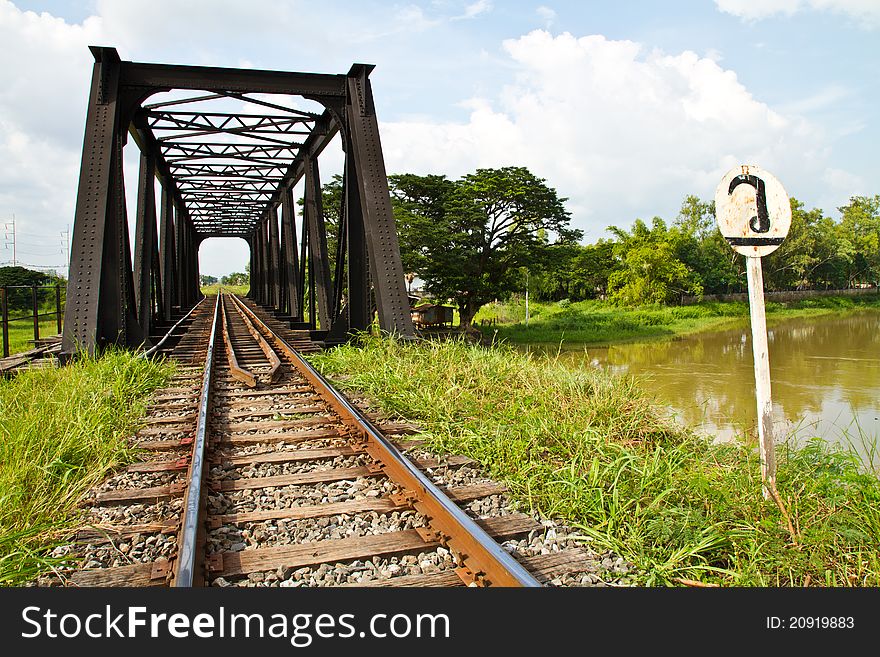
(232, 289)
(590, 448)
(61, 431)
(599, 323)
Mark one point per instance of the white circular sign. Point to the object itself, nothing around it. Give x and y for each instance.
(752, 210)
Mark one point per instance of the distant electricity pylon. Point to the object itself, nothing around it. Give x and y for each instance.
(9, 237)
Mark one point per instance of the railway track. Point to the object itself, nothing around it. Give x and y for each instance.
(258, 471)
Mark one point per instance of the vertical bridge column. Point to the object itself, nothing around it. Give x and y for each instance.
(274, 265)
(100, 300)
(168, 255)
(371, 182)
(290, 286)
(145, 243)
(319, 265)
(360, 311)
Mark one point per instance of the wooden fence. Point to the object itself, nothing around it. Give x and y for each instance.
(34, 316)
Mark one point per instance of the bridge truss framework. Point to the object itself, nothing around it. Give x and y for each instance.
(227, 174)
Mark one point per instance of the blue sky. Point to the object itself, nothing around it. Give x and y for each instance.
(624, 108)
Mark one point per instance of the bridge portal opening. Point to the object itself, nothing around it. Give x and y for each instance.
(225, 261)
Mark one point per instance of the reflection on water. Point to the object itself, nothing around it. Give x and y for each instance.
(825, 377)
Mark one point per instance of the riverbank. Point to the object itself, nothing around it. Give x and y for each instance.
(597, 323)
(592, 450)
(61, 431)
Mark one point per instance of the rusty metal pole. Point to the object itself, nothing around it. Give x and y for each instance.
(36, 307)
(58, 306)
(4, 316)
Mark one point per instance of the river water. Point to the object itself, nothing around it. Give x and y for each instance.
(824, 371)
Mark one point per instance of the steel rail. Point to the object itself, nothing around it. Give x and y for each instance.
(487, 563)
(238, 372)
(151, 350)
(274, 361)
(186, 570)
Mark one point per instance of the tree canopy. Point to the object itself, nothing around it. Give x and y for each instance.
(236, 278)
(21, 276)
(475, 239)
(468, 239)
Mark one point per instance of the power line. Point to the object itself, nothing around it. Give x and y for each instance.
(31, 265)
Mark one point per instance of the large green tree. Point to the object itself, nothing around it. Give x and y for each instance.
(860, 227)
(650, 271)
(592, 267)
(468, 239)
(812, 252)
(14, 277)
(420, 204)
(699, 245)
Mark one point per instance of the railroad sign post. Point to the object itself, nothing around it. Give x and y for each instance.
(754, 215)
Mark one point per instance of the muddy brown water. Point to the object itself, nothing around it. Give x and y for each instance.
(825, 378)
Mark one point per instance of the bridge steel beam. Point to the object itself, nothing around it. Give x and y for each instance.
(274, 260)
(144, 245)
(182, 253)
(100, 294)
(168, 253)
(290, 281)
(226, 174)
(360, 308)
(386, 267)
(319, 262)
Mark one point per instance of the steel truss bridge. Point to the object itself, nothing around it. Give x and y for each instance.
(227, 174)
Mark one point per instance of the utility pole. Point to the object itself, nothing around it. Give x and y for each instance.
(527, 297)
(10, 226)
(65, 246)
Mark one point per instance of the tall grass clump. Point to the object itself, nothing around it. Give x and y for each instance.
(61, 431)
(592, 449)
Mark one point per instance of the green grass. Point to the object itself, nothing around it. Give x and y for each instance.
(600, 323)
(21, 333)
(61, 431)
(233, 289)
(590, 448)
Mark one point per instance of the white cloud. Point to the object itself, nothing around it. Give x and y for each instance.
(148, 24)
(547, 15)
(43, 92)
(844, 184)
(825, 97)
(621, 130)
(614, 127)
(865, 12)
(475, 9)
